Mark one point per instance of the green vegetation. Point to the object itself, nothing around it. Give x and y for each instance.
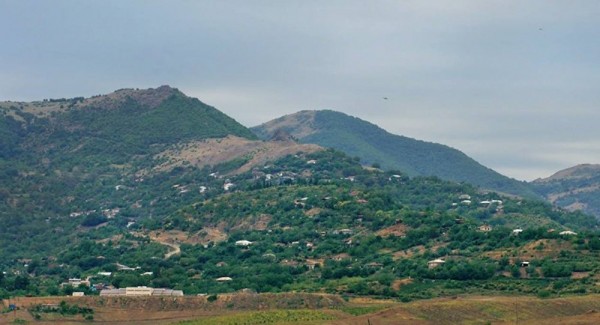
(63, 309)
(358, 138)
(79, 201)
(264, 317)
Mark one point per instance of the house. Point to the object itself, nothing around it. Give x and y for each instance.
(244, 243)
(147, 273)
(78, 294)
(517, 231)
(485, 202)
(105, 273)
(122, 267)
(466, 202)
(485, 228)
(567, 233)
(140, 292)
(435, 263)
(464, 197)
(344, 231)
(394, 177)
(524, 264)
(228, 186)
(311, 162)
(374, 265)
(75, 282)
(223, 279)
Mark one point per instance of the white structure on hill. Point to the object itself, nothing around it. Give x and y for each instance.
(141, 291)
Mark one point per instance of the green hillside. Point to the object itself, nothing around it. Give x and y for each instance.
(374, 145)
(59, 156)
(84, 193)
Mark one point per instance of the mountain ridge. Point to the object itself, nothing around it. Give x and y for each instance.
(375, 145)
(573, 188)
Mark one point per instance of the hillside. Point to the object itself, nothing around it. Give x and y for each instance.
(62, 157)
(575, 188)
(373, 145)
(153, 188)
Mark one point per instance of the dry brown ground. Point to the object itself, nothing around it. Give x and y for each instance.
(551, 248)
(215, 151)
(457, 310)
(395, 230)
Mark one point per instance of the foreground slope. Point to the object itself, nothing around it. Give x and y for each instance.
(372, 144)
(575, 188)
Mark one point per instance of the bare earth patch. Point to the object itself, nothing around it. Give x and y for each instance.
(215, 151)
(397, 230)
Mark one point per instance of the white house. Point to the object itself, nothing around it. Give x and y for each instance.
(244, 243)
(435, 263)
(517, 231)
(567, 233)
(223, 279)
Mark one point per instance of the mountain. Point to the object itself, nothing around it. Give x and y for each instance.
(154, 188)
(65, 157)
(575, 188)
(374, 145)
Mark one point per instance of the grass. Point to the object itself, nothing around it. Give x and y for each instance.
(362, 310)
(264, 317)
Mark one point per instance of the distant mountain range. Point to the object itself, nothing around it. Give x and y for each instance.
(373, 145)
(575, 188)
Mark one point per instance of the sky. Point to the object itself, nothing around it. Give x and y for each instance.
(513, 84)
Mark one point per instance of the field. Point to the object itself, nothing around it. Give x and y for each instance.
(307, 309)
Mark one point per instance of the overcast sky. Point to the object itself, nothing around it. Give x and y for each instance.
(513, 84)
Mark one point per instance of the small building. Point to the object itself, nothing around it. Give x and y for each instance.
(435, 263)
(244, 243)
(485, 228)
(344, 231)
(517, 231)
(466, 202)
(141, 292)
(224, 279)
(567, 233)
(228, 186)
(374, 265)
(524, 264)
(78, 294)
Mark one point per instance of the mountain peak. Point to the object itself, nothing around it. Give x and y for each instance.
(374, 145)
(576, 172)
(151, 97)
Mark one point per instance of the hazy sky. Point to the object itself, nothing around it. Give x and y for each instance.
(513, 84)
